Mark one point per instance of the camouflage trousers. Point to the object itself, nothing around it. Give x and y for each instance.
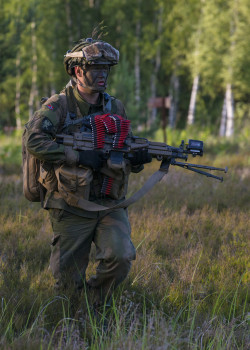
(71, 244)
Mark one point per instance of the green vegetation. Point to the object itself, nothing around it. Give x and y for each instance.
(163, 46)
(188, 287)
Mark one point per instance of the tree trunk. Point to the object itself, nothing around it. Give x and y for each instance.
(18, 91)
(230, 111)
(153, 111)
(157, 66)
(137, 64)
(33, 92)
(174, 99)
(223, 120)
(191, 111)
(69, 22)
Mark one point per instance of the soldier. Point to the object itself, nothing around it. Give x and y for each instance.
(69, 175)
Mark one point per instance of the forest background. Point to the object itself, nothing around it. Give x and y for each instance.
(196, 52)
(189, 286)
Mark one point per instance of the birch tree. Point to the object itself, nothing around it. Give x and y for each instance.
(192, 104)
(33, 98)
(179, 29)
(174, 99)
(156, 63)
(223, 121)
(18, 91)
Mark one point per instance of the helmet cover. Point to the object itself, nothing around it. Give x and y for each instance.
(90, 52)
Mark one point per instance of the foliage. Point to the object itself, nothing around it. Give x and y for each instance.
(10, 149)
(206, 37)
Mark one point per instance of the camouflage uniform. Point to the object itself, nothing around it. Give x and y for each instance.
(74, 228)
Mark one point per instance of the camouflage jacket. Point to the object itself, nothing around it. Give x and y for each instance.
(60, 173)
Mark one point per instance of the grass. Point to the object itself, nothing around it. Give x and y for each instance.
(188, 288)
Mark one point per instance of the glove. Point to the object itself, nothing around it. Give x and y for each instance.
(140, 157)
(91, 159)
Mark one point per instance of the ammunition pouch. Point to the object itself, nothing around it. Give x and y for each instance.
(120, 174)
(73, 183)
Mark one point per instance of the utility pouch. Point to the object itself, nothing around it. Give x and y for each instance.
(48, 177)
(73, 183)
(119, 179)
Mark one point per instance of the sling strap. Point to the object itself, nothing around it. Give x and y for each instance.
(156, 177)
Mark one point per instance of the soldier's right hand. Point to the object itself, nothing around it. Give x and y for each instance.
(92, 159)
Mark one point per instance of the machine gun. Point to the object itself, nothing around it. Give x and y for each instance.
(83, 141)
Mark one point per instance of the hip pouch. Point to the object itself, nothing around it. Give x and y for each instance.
(73, 183)
(48, 177)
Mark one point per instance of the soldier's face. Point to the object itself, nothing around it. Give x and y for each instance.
(95, 77)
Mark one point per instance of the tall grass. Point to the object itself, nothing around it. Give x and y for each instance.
(187, 289)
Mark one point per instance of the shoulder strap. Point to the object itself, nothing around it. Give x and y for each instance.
(108, 105)
(72, 108)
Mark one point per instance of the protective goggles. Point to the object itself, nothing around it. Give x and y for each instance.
(98, 51)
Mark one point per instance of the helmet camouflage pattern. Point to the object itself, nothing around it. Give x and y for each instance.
(89, 51)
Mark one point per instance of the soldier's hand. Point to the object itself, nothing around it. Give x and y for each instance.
(140, 157)
(91, 159)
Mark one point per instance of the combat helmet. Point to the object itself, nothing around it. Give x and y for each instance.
(90, 51)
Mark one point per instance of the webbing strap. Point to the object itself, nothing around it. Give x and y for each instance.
(108, 105)
(71, 100)
(156, 177)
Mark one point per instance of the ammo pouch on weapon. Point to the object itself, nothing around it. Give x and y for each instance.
(73, 183)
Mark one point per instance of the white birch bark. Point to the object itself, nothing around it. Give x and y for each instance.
(223, 120)
(33, 99)
(174, 99)
(230, 111)
(155, 71)
(18, 91)
(191, 111)
(229, 92)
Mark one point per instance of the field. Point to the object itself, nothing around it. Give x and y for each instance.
(188, 288)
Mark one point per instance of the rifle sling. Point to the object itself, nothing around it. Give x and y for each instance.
(156, 177)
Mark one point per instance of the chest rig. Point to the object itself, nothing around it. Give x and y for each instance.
(100, 124)
(74, 116)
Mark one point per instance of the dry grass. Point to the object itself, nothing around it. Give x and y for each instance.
(188, 288)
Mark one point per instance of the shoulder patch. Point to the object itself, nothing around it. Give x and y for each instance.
(52, 103)
(47, 125)
(50, 107)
